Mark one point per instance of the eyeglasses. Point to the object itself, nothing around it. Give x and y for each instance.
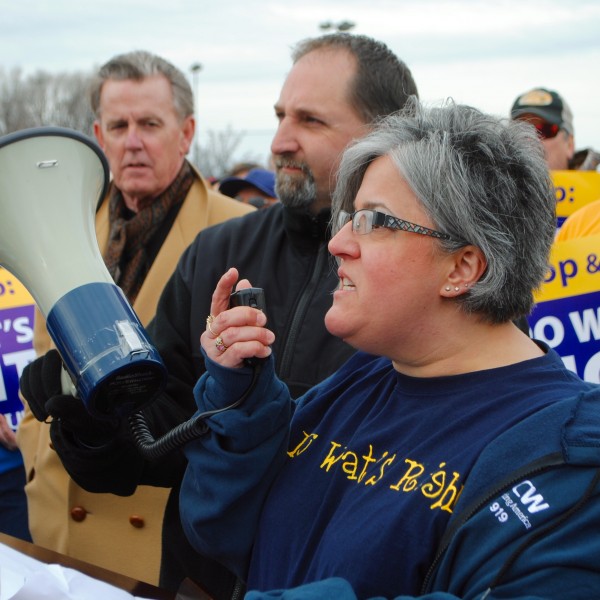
(364, 221)
(546, 131)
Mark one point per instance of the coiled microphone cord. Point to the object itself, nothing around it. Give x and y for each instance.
(152, 449)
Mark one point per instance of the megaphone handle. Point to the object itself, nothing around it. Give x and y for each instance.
(67, 383)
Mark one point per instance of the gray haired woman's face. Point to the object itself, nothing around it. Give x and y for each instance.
(395, 280)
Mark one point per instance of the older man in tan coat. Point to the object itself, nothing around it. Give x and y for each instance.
(156, 205)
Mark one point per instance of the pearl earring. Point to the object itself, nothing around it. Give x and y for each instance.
(447, 288)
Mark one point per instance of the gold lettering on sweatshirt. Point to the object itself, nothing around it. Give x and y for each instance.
(369, 468)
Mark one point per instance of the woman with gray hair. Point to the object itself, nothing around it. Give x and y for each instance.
(452, 456)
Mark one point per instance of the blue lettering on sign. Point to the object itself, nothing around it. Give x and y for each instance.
(567, 269)
(561, 194)
(6, 287)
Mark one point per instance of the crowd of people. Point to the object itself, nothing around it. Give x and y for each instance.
(400, 435)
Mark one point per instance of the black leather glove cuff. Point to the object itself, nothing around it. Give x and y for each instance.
(72, 418)
(40, 381)
(42, 389)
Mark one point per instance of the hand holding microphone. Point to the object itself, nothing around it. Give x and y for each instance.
(235, 329)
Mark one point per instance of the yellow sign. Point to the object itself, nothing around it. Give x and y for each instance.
(12, 292)
(574, 269)
(574, 189)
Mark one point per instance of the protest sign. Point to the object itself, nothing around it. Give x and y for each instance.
(16, 343)
(567, 311)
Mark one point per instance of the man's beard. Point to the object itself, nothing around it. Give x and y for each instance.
(295, 191)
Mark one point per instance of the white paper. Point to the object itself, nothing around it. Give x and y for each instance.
(24, 578)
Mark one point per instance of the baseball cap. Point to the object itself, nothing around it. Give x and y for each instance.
(547, 105)
(259, 178)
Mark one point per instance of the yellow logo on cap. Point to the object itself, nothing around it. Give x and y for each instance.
(536, 98)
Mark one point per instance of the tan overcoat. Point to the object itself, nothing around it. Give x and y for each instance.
(116, 533)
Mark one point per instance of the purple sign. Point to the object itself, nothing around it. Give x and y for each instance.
(16, 351)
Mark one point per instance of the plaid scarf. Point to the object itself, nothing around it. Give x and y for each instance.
(126, 255)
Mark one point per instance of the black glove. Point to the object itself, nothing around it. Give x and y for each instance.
(41, 387)
(40, 381)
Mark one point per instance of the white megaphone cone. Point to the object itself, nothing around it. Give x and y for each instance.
(51, 180)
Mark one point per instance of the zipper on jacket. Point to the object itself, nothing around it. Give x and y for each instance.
(300, 311)
(534, 468)
(239, 590)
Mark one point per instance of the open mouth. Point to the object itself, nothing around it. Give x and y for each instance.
(346, 284)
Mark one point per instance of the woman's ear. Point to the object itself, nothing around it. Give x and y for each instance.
(466, 268)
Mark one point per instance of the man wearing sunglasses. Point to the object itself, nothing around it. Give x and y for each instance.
(547, 111)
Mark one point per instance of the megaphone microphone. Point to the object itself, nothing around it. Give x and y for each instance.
(51, 180)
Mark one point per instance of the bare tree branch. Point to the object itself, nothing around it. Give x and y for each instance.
(62, 100)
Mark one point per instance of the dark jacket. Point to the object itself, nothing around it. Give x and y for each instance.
(280, 250)
(524, 526)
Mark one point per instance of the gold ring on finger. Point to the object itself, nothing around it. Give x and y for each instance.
(209, 321)
(220, 344)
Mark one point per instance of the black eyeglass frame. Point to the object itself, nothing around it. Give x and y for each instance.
(380, 219)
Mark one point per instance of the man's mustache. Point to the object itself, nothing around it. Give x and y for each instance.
(283, 162)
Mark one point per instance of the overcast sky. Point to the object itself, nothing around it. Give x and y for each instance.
(479, 53)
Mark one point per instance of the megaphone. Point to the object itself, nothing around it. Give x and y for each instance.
(51, 180)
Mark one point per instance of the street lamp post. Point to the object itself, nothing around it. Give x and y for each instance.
(195, 69)
(341, 26)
